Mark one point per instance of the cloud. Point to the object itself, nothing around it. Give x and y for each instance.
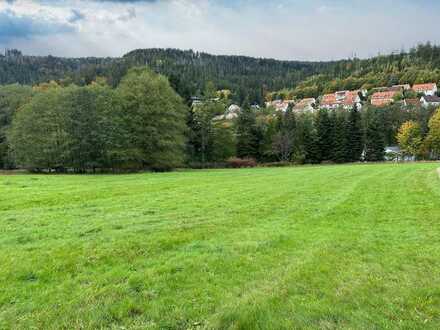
(77, 15)
(14, 26)
(285, 29)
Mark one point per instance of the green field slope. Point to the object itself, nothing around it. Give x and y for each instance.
(354, 247)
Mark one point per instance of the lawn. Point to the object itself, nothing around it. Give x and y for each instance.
(326, 247)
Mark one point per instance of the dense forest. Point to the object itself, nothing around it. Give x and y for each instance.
(251, 78)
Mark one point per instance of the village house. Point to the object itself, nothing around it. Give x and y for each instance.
(305, 105)
(352, 99)
(329, 102)
(403, 87)
(280, 105)
(427, 89)
(395, 88)
(231, 113)
(380, 99)
(411, 103)
(345, 99)
(430, 101)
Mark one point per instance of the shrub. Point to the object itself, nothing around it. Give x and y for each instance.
(241, 162)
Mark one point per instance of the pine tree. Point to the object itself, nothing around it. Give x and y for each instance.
(311, 147)
(374, 139)
(324, 135)
(247, 134)
(339, 148)
(355, 143)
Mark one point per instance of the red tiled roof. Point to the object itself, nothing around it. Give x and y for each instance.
(382, 98)
(413, 102)
(350, 97)
(328, 99)
(424, 87)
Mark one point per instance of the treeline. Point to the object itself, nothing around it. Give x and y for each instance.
(140, 124)
(327, 136)
(249, 78)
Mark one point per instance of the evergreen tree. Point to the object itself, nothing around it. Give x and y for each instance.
(374, 139)
(354, 138)
(340, 142)
(311, 147)
(284, 140)
(247, 134)
(324, 131)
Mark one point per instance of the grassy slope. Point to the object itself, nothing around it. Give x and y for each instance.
(313, 247)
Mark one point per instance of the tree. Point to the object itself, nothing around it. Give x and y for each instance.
(340, 139)
(324, 132)
(38, 138)
(410, 139)
(284, 140)
(155, 117)
(202, 124)
(374, 139)
(96, 136)
(433, 138)
(355, 143)
(223, 142)
(307, 146)
(12, 97)
(247, 133)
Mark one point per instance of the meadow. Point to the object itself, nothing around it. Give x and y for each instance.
(320, 247)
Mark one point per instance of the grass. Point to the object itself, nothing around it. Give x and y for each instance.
(346, 247)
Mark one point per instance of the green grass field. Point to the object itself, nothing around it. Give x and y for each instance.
(355, 247)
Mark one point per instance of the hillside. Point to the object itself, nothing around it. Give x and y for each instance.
(189, 71)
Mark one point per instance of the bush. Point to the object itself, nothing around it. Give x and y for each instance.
(241, 162)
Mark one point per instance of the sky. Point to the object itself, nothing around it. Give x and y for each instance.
(282, 29)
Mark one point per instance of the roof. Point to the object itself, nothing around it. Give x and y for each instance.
(382, 98)
(384, 95)
(432, 99)
(414, 102)
(304, 103)
(351, 97)
(424, 87)
(328, 99)
(395, 88)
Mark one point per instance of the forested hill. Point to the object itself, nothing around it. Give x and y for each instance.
(189, 71)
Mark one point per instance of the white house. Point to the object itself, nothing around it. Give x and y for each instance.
(280, 105)
(430, 101)
(427, 89)
(305, 105)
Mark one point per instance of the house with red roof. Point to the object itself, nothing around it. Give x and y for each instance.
(380, 99)
(427, 89)
(344, 99)
(329, 101)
